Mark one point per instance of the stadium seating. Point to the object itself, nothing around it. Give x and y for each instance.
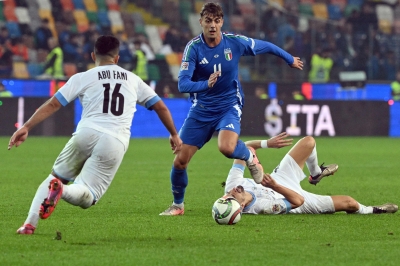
(67, 5)
(13, 29)
(44, 4)
(78, 4)
(320, 10)
(20, 70)
(334, 12)
(306, 9)
(90, 5)
(9, 13)
(340, 3)
(22, 15)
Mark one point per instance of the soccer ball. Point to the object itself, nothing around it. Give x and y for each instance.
(226, 211)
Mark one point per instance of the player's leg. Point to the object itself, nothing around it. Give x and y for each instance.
(69, 165)
(68, 156)
(97, 173)
(350, 205)
(305, 152)
(231, 146)
(194, 135)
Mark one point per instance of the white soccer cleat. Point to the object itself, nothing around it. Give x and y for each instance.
(255, 167)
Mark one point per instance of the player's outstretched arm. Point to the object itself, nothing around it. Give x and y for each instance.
(165, 116)
(297, 63)
(44, 111)
(279, 141)
(296, 200)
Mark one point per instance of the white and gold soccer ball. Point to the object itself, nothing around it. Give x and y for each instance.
(226, 211)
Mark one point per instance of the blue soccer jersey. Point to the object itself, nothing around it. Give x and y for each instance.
(200, 61)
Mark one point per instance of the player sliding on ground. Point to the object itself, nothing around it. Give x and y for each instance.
(92, 156)
(280, 192)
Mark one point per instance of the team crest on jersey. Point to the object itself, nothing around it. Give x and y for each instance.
(185, 66)
(228, 54)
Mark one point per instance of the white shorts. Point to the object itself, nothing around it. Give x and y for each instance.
(90, 158)
(289, 174)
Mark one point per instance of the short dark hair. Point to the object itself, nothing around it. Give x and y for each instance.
(213, 9)
(106, 45)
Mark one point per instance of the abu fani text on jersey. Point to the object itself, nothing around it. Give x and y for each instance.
(107, 74)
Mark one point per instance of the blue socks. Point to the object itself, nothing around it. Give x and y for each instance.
(241, 151)
(179, 181)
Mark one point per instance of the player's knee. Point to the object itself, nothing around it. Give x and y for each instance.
(352, 204)
(226, 150)
(180, 163)
(309, 141)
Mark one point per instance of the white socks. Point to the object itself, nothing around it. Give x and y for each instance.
(312, 162)
(364, 209)
(250, 160)
(180, 205)
(41, 194)
(78, 195)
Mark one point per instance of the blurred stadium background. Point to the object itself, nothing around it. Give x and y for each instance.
(351, 48)
(359, 34)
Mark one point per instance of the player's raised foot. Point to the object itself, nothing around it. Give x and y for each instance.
(173, 210)
(26, 229)
(255, 167)
(49, 203)
(328, 170)
(385, 208)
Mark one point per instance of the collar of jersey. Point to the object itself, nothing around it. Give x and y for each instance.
(202, 39)
(252, 201)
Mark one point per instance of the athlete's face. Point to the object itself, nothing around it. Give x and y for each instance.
(211, 26)
(238, 193)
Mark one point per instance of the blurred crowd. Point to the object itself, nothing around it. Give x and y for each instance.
(352, 43)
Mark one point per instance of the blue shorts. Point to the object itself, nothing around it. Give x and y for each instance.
(197, 133)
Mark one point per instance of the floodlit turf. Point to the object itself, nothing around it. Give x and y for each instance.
(125, 228)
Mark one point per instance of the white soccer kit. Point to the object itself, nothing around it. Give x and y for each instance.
(266, 201)
(108, 95)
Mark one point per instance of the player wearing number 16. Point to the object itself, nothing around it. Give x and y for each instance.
(91, 157)
(209, 72)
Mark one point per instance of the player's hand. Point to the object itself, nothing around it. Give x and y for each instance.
(268, 181)
(176, 143)
(297, 63)
(213, 78)
(18, 137)
(279, 141)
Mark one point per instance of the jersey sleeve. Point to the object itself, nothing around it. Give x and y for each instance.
(70, 91)
(275, 206)
(188, 66)
(147, 97)
(235, 177)
(254, 47)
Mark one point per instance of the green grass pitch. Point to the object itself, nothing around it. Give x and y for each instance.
(124, 228)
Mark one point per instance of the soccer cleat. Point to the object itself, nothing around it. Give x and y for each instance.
(328, 170)
(385, 208)
(173, 210)
(49, 203)
(26, 229)
(255, 167)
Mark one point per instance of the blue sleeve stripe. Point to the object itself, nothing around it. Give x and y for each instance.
(61, 98)
(288, 205)
(152, 101)
(239, 166)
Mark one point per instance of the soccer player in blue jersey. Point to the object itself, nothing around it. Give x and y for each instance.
(209, 72)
